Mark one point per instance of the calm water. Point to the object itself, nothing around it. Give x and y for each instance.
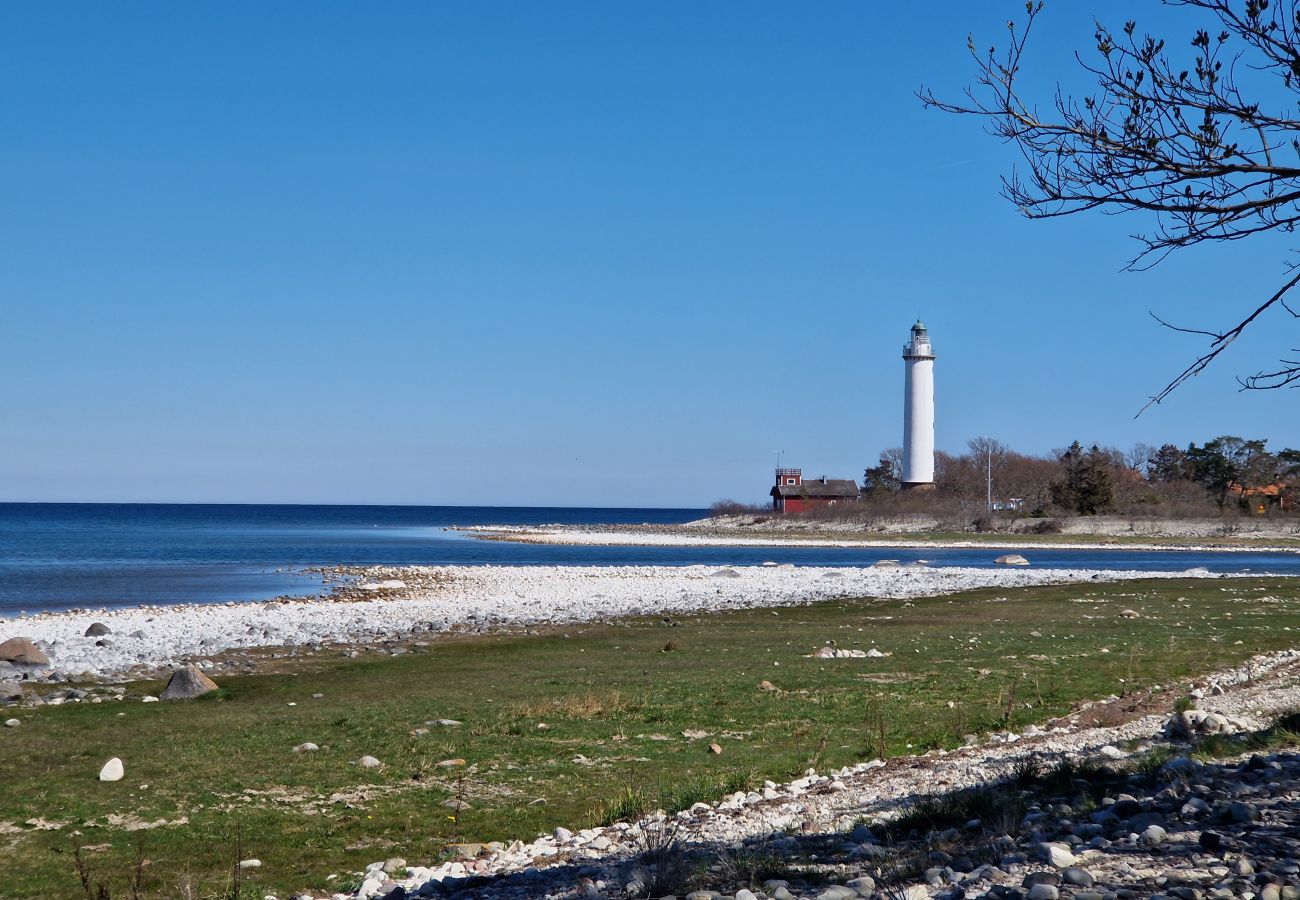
(57, 556)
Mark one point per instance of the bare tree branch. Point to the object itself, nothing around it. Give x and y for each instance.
(1181, 143)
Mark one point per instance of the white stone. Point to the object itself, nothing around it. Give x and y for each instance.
(307, 747)
(1058, 855)
(12, 723)
(250, 863)
(112, 771)
(368, 762)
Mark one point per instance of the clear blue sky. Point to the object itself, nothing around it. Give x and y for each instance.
(551, 253)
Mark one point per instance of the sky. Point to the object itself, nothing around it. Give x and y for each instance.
(556, 254)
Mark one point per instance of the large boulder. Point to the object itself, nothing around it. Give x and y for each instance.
(187, 683)
(22, 652)
(1011, 559)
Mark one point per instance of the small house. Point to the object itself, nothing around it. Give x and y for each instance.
(791, 494)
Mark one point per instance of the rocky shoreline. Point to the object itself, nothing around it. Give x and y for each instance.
(707, 534)
(1184, 830)
(375, 605)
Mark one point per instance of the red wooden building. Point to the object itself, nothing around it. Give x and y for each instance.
(792, 494)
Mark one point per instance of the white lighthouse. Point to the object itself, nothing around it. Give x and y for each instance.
(918, 410)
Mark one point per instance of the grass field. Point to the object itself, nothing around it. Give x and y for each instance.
(616, 698)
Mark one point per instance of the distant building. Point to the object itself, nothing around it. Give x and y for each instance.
(1259, 500)
(791, 494)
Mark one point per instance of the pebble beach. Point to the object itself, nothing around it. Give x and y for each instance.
(394, 603)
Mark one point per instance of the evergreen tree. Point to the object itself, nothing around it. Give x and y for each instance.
(1096, 489)
(1085, 486)
(881, 478)
(1167, 464)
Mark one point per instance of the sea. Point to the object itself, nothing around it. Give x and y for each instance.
(58, 556)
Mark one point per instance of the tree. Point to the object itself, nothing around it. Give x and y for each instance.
(1085, 485)
(1230, 463)
(1168, 464)
(881, 478)
(1188, 142)
(1139, 458)
(1212, 470)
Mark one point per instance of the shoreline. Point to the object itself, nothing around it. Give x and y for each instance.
(414, 603)
(642, 537)
(837, 800)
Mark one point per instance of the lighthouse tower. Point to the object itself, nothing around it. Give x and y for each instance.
(918, 410)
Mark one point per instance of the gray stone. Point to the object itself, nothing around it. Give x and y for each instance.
(1077, 877)
(98, 629)
(1154, 835)
(1043, 892)
(865, 885)
(838, 892)
(22, 652)
(1011, 559)
(1236, 812)
(187, 683)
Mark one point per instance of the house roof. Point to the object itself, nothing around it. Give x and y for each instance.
(833, 487)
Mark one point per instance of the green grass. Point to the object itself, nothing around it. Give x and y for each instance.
(608, 693)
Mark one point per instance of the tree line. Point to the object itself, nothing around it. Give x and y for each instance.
(1228, 473)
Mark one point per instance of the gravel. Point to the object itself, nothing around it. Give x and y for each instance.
(440, 598)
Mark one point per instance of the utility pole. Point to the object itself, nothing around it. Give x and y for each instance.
(989, 475)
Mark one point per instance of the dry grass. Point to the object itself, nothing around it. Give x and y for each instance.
(577, 707)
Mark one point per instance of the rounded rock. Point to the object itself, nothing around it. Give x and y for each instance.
(187, 683)
(1077, 877)
(112, 770)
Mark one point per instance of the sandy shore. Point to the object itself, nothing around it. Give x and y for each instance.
(405, 602)
(645, 537)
